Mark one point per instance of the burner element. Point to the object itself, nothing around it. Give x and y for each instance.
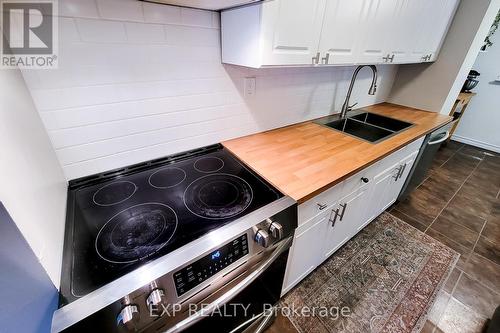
(136, 233)
(167, 177)
(218, 196)
(114, 193)
(209, 164)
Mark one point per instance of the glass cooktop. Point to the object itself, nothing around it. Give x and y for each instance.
(121, 223)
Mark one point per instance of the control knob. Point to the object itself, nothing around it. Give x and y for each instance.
(128, 316)
(262, 238)
(276, 230)
(155, 298)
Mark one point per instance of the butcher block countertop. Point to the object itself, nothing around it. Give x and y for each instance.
(305, 159)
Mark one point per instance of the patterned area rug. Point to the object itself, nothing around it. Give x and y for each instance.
(384, 280)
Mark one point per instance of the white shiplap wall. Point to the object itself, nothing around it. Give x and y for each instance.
(138, 81)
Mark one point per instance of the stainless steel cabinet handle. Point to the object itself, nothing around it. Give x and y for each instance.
(396, 176)
(336, 211)
(230, 294)
(344, 207)
(321, 206)
(325, 59)
(424, 58)
(391, 58)
(403, 167)
(386, 58)
(315, 60)
(444, 138)
(402, 171)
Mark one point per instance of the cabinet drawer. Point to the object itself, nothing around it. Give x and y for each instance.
(394, 158)
(320, 203)
(356, 182)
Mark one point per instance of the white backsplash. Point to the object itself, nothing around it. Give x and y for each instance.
(137, 81)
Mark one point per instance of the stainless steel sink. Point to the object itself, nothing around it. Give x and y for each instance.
(387, 123)
(368, 126)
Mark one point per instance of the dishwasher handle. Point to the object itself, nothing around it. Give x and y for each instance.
(444, 138)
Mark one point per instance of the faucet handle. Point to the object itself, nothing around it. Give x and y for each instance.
(349, 108)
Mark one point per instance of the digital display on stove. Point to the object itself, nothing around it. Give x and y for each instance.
(204, 268)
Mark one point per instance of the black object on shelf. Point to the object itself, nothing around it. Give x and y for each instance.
(471, 82)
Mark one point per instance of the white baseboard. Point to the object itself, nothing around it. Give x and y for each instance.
(476, 143)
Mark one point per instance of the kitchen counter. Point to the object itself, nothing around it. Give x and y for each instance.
(305, 159)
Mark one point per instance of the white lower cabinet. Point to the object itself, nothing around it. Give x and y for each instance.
(328, 221)
(306, 252)
(344, 224)
(388, 184)
(380, 192)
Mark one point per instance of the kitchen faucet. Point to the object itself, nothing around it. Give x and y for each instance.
(373, 88)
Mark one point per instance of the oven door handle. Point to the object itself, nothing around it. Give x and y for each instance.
(206, 310)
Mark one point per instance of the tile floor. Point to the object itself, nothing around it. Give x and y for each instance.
(459, 205)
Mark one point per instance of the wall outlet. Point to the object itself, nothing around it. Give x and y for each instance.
(250, 86)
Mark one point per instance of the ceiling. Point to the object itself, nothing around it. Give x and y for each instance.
(205, 4)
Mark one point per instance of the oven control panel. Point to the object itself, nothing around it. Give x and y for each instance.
(192, 275)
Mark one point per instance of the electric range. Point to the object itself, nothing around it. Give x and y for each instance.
(167, 232)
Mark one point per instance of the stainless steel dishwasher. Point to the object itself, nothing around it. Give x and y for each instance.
(424, 159)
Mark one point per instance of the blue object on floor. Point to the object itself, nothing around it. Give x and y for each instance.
(28, 297)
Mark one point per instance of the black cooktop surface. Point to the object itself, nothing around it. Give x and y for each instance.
(121, 223)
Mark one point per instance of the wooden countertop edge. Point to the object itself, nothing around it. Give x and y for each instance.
(352, 172)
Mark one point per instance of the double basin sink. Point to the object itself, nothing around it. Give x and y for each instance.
(368, 126)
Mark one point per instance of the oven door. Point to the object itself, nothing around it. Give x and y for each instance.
(243, 304)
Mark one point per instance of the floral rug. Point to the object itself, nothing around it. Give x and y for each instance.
(385, 279)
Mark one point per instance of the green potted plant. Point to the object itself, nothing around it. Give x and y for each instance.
(493, 29)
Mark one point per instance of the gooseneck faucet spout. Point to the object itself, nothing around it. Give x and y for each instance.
(373, 88)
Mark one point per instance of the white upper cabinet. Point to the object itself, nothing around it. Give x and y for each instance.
(440, 27)
(342, 27)
(292, 39)
(334, 32)
(377, 30)
(432, 21)
(397, 44)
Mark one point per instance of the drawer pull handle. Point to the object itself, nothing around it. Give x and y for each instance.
(402, 171)
(396, 176)
(322, 206)
(344, 207)
(336, 211)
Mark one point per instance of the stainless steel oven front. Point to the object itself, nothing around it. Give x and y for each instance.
(227, 287)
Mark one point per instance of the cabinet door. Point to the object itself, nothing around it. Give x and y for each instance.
(406, 164)
(291, 31)
(433, 18)
(306, 250)
(420, 15)
(379, 197)
(342, 30)
(379, 28)
(441, 28)
(346, 224)
(398, 44)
